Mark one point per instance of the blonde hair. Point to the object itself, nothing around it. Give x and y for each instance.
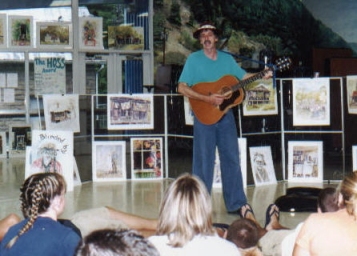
(348, 190)
(37, 193)
(186, 210)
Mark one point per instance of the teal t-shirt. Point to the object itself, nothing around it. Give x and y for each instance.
(199, 68)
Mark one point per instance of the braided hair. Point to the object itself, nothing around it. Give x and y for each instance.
(37, 193)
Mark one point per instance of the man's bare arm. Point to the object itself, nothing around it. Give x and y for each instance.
(214, 99)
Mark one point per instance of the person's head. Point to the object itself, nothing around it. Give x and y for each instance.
(112, 242)
(327, 200)
(243, 233)
(348, 193)
(39, 193)
(207, 34)
(185, 211)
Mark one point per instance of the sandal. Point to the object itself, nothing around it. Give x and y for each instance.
(269, 214)
(243, 212)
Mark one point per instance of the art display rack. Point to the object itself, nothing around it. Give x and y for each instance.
(278, 130)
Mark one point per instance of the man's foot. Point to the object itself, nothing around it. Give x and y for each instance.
(272, 215)
(246, 212)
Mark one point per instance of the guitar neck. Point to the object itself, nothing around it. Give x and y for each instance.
(249, 80)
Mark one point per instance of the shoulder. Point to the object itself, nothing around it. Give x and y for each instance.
(225, 55)
(195, 55)
(55, 226)
(161, 244)
(212, 245)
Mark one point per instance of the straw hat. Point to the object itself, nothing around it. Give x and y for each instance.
(204, 26)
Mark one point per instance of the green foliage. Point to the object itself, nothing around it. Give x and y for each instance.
(159, 23)
(188, 41)
(175, 58)
(272, 43)
(247, 51)
(158, 4)
(286, 27)
(175, 17)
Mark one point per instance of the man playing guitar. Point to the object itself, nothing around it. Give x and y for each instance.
(205, 66)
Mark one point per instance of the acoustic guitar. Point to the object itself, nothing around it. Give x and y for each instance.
(231, 88)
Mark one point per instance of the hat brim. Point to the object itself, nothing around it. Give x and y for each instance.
(197, 33)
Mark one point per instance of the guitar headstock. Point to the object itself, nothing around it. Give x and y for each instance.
(282, 64)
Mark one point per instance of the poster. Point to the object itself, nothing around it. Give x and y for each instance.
(242, 144)
(54, 35)
(260, 98)
(305, 161)
(351, 82)
(146, 158)
(126, 37)
(3, 30)
(50, 75)
(262, 165)
(61, 112)
(51, 151)
(311, 101)
(91, 32)
(109, 160)
(130, 111)
(20, 31)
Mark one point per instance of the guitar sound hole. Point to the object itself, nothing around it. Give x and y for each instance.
(226, 91)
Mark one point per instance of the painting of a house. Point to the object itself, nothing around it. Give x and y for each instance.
(258, 95)
(260, 98)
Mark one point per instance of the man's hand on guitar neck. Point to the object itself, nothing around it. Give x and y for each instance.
(268, 74)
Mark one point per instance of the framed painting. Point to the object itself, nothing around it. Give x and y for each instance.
(351, 82)
(262, 165)
(19, 137)
(217, 182)
(311, 101)
(260, 98)
(127, 112)
(20, 31)
(305, 161)
(51, 151)
(61, 112)
(146, 158)
(76, 177)
(354, 158)
(126, 37)
(3, 144)
(54, 35)
(91, 32)
(189, 117)
(50, 75)
(3, 30)
(109, 160)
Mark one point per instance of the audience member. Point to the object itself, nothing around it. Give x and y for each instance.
(333, 233)
(107, 217)
(185, 222)
(274, 238)
(113, 242)
(87, 221)
(244, 233)
(7, 222)
(42, 201)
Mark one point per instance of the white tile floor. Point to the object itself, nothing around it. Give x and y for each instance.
(138, 197)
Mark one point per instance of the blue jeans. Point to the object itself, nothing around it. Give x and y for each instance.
(222, 134)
